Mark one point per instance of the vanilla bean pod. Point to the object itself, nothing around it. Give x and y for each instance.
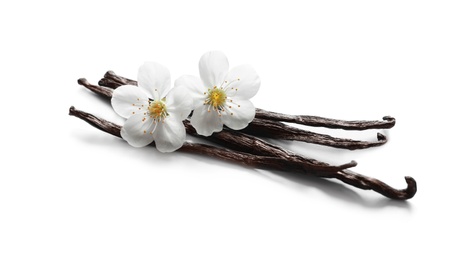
(277, 130)
(258, 127)
(316, 121)
(278, 163)
(113, 80)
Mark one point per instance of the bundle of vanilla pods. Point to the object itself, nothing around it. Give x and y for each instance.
(246, 146)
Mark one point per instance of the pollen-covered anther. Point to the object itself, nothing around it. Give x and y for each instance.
(216, 98)
(158, 110)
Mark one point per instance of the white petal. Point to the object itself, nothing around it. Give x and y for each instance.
(205, 122)
(128, 99)
(213, 67)
(241, 113)
(155, 79)
(242, 82)
(179, 103)
(137, 132)
(169, 135)
(194, 87)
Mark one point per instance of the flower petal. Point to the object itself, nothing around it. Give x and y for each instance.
(179, 102)
(206, 122)
(127, 100)
(213, 67)
(170, 135)
(242, 82)
(137, 130)
(238, 114)
(155, 79)
(195, 88)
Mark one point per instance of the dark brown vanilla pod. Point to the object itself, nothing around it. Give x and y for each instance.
(277, 130)
(265, 128)
(112, 80)
(316, 121)
(284, 163)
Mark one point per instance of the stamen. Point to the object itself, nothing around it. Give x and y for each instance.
(228, 83)
(216, 99)
(157, 110)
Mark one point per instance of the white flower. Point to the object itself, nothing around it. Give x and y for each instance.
(222, 96)
(153, 112)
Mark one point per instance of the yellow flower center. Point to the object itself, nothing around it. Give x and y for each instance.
(216, 97)
(158, 110)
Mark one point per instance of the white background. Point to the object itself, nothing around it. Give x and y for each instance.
(69, 191)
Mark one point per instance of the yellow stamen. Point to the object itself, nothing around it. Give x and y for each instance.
(216, 98)
(158, 110)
